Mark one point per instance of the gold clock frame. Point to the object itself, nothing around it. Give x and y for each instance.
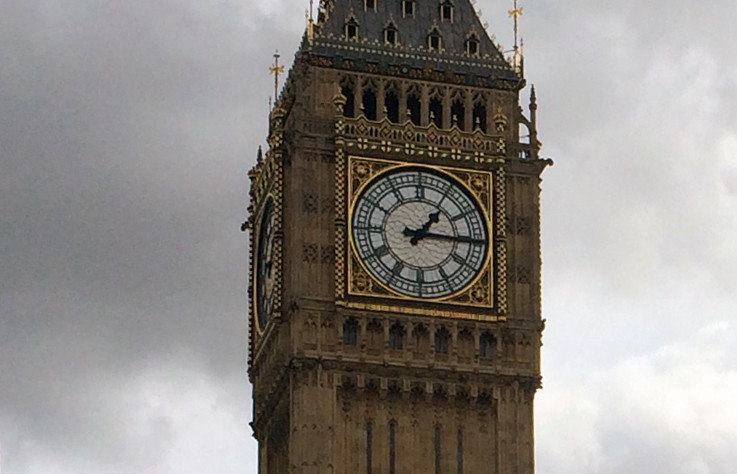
(267, 181)
(254, 278)
(486, 292)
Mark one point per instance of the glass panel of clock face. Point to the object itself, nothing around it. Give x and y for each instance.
(264, 266)
(419, 233)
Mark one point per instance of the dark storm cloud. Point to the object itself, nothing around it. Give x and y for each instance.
(126, 133)
(127, 129)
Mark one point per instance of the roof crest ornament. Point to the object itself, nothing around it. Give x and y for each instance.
(276, 70)
(517, 56)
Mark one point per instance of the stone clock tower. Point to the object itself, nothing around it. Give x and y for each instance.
(395, 313)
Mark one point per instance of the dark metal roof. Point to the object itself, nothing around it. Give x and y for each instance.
(412, 49)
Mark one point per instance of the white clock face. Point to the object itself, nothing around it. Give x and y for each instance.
(419, 233)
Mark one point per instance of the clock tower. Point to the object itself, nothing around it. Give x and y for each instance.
(395, 279)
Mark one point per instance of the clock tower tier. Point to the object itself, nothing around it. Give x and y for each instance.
(395, 316)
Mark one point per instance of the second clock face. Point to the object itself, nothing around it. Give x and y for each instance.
(419, 233)
(265, 272)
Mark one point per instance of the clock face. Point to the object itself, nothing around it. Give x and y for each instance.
(265, 272)
(419, 233)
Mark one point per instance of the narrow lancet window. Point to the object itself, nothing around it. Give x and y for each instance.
(437, 450)
(350, 332)
(396, 336)
(349, 109)
(391, 102)
(369, 448)
(487, 346)
(458, 112)
(392, 447)
(441, 341)
(460, 451)
(369, 104)
(436, 112)
(413, 108)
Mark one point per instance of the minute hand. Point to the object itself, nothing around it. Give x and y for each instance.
(454, 238)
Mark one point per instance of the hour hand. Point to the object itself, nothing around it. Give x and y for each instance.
(415, 234)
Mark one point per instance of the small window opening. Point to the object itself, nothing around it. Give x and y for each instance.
(458, 111)
(487, 345)
(479, 117)
(436, 112)
(408, 8)
(350, 332)
(446, 11)
(369, 104)
(396, 336)
(351, 29)
(390, 34)
(391, 102)
(472, 45)
(370, 5)
(434, 41)
(413, 108)
(441, 341)
(349, 109)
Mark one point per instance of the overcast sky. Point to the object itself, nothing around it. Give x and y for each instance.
(127, 128)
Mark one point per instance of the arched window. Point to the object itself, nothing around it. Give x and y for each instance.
(487, 345)
(369, 101)
(441, 341)
(436, 111)
(396, 336)
(458, 113)
(391, 102)
(479, 115)
(349, 109)
(350, 332)
(413, 108)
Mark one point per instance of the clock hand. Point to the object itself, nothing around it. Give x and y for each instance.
(420, 233)
(455, 238)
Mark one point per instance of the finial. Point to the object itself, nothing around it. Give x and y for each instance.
(259, 156)
(276, 70)
(516, 13)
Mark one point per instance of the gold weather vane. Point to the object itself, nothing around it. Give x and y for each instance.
(276, 70)
(516, 13)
